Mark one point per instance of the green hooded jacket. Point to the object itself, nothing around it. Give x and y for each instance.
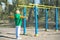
(18, 20)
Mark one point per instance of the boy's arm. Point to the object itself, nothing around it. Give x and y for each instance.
(22, 17)
(16, 17)
(10, 16)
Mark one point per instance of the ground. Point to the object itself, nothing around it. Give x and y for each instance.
(9, 34)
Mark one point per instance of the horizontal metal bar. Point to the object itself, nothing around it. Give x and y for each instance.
(31, 6)
(39, 6)
(36, 4)
(44, 6)
(26, 6)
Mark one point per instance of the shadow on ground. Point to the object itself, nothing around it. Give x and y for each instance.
(6, 37)
(20, 34)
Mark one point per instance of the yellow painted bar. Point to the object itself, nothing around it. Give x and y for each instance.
(44, 6)
(26, 6)
(13, 17)
(21, 5)
(30, 6)
(40, 6)
(36, 5)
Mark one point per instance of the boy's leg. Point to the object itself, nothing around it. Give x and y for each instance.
(18, 28)
(19, 31)
(16, 31)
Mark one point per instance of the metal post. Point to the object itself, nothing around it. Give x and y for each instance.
(56, 18)
(46, 21)
(56, 15)
(24, 13)
(36, 20)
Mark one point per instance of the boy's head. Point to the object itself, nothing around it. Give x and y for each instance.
(17, 11)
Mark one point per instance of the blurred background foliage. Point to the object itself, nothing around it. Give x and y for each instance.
(30, 12)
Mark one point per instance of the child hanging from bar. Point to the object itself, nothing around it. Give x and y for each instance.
(18, 22)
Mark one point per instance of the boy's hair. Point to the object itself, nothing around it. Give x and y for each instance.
(16, 10)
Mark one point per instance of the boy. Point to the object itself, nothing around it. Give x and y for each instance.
(18, 23)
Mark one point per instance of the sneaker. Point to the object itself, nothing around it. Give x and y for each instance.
(19, 38)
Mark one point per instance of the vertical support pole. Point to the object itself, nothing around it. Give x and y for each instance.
(46, 21)
(24, 13)
(56, 18)
(36, 20)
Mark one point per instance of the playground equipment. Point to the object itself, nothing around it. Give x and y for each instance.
(45, 7)
(36, 6)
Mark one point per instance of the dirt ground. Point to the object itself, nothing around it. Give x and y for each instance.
(9, 34)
